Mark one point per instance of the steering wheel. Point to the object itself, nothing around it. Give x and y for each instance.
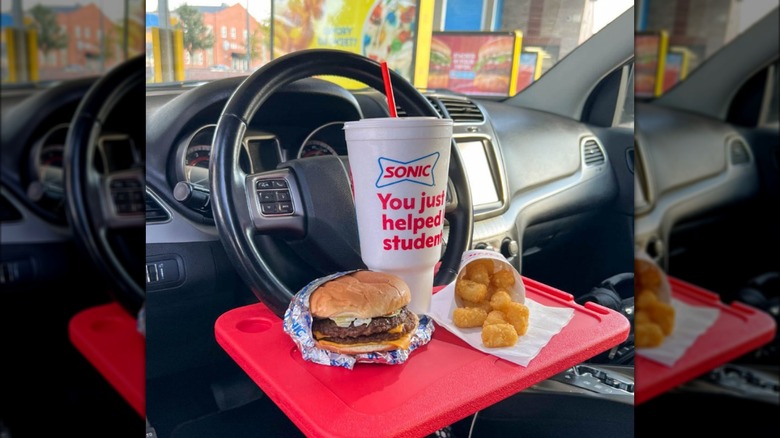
(320, 224)
(105, 202)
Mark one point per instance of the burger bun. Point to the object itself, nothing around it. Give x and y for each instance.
(361, 294)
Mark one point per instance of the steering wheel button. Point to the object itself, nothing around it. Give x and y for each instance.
(266, 196)
(279, 184)
(117, 184)
(264, 184)
(285, 207)
(270, 208)
(133, 183)
(283, 195)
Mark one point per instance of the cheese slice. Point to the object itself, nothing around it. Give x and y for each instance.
(401, 344)
(397, 329)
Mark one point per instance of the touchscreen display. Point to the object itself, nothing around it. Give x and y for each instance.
(483, 190)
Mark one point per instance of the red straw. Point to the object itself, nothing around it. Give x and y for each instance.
(388, 90)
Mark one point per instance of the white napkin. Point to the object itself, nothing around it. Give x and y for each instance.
(544, 322)
(690, 323)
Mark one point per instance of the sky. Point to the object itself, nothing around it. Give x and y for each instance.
(751, 10)
(606, 11)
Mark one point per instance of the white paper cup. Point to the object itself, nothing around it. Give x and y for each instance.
(517, 291)
(399, 169)
(647, 270)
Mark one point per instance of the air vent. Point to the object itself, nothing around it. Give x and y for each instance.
(593, 154)
(400, 112)
(738, 152)
(8, 212)
(436, 105)
(154, 211)
(461, 110)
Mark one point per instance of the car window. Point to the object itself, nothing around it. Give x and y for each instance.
(771, 118)
(498, 51)
(625, 113)
(674, 37)
(50, 40)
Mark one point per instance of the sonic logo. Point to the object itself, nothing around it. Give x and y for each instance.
(418, 171)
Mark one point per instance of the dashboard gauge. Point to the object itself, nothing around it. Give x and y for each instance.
(198, 155)
(51, 156)
(50, 169)
(315, 148)
(47, 162)
(327, 139)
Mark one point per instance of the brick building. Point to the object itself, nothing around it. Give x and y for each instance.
(93, 40)
(228, 24)
(702, 26)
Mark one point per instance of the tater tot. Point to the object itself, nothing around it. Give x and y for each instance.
(470, 290)
(499, 335)
(478, 274)
(500, 300)
(663, 315)
(479, 264)
(503, 279)
(485, 305)
(648, 335)
(495, 317)
(517, 315)
(641, 317)
(465, 317)
(646, 275)
(644, 298)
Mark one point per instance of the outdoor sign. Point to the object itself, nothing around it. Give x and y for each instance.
(528, 69)
(650, 59)
(475, 63)
(383, 30)
(676, 68)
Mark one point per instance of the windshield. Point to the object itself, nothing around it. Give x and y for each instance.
(435, 44)
(674, 37)
(50, 40)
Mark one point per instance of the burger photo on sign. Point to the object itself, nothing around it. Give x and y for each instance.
(494, 66)
(439, 66)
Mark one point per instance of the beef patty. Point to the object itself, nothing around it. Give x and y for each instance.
(374, 331)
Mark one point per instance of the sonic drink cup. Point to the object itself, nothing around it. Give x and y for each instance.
(399, 169)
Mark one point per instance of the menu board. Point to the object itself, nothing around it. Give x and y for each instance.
(673, 70)
(526, 73)
(648, 52)
(383, 30)
(473, 63)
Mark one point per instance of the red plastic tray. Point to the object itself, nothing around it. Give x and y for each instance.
(108, 338)
(442, 382)
(739, 329)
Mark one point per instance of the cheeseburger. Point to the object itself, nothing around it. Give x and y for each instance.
(362, 312)
(494, 65)
(439, 67)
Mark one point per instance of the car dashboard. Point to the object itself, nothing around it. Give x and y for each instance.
(524, 166)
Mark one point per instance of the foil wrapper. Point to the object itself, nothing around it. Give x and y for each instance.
(297, 324)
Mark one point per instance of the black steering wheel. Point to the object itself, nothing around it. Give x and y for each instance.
(104, 180)
(318, 223)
